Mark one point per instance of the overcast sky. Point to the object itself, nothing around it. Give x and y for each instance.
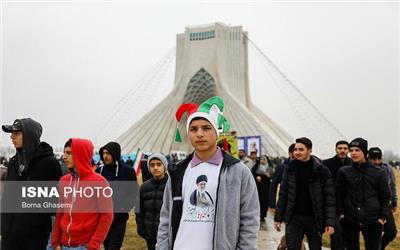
(67, 64)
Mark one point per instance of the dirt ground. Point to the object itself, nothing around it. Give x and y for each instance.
(134, 242)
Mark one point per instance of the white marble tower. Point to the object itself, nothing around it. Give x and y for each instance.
(211, 60)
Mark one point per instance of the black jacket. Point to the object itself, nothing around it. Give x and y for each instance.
(322, 194)
(122, 180)
(276, 180)
(40, 165)
(151, 200)
(335, 163)
(363, 193)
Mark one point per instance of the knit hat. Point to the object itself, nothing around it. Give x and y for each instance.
(160, 157)
(361, 144)
(375, 153)
(201, 178)
(211, 110)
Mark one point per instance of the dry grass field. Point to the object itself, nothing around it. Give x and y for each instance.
(134, 242)
(395, 245)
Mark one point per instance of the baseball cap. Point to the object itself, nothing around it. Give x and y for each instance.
(16, 126)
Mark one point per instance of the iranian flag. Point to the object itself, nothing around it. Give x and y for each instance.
(138, 160)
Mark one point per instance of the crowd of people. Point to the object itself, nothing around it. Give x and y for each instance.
(340, 196)
(209, 200)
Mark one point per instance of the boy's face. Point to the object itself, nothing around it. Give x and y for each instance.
(68, 159)
(17, 138)
(202, 135)
(107, 157)
(357, 155)
(157, 168)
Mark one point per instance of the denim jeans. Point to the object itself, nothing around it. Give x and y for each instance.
(73, 248)
(49, 247)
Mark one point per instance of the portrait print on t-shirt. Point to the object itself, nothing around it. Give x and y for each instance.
(201, 207)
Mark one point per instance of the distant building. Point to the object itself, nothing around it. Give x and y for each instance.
(211, 60)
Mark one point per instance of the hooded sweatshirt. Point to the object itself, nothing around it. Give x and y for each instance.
(87, 220)
(32, 131)
(35, 161)
(117, 172)
(31, 151)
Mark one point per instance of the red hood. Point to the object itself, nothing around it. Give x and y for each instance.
(82, 153)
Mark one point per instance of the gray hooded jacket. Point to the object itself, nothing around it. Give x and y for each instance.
(237, 207)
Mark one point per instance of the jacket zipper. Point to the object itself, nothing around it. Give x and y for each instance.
(154, 206)
(216, 206)
(69, 225)
(70, 212)
(70, 221)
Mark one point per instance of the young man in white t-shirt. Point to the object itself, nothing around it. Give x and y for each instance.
(210, 201)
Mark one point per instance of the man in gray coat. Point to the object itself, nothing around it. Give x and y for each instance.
(226, 219)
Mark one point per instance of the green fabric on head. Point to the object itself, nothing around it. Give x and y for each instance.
(210, 110)
(207, 105)
(213, 107)
(178, 137)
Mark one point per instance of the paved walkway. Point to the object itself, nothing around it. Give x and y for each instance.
(268, 237)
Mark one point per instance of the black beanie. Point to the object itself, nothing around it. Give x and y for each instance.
(361, 144)
(375, 153)
(114, 149)
(201, 178)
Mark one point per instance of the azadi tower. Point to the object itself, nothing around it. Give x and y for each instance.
(210, 60)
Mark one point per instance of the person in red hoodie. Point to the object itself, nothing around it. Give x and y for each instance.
(85, 213)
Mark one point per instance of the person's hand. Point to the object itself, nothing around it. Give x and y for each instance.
(382, 221)
(57, 248)
(341, 216)
(277, 226)
(272, 210)
(258, 178)
(267, 174)
(394, 209)
(329, 230)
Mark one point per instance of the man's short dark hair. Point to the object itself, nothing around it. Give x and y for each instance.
(304, 140)
(341, 142)
(291, 148)
(244, 151)
(68, 143)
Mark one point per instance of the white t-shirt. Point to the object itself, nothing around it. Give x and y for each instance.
(199, 193)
